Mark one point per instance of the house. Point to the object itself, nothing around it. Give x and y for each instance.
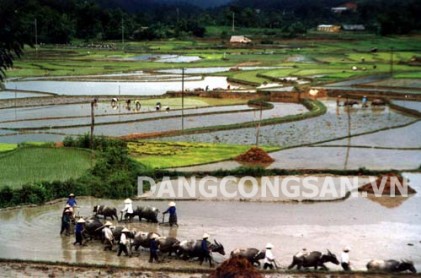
(353, 27)
(239, 40)
(350, 6)
(329, 28)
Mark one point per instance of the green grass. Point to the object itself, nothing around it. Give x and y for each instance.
(5, 147)
(331, 58)
(178, 154)
(33, 164)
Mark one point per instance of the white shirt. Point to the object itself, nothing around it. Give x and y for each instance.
(269, 257)
(128, 208)
(345, 257)
(123, 239)
(108, 234)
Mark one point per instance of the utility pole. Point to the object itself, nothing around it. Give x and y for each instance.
(122, 33)
(391, 61)
(258, 125)
(92, 124)
(36, 37)
(182, 99)
(233, 21)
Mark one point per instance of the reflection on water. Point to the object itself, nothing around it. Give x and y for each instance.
(371, 230)
(143, 88)
(13, 95)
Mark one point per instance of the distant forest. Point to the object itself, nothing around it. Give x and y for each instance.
(61, 21)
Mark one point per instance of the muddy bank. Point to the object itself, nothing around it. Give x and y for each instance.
(32, 269)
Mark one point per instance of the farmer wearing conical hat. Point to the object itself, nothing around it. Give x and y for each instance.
(71, 201)
(65, 221)
(269, 261)
(80, 226)
(108, 236)
(153, 249)
(124, 242)
(128, 209)
(345, 263)
(173, 214)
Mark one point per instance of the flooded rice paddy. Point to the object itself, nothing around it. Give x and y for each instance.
(339, 158)
(14, 95)
(142, 88)
(336, 123)
(371, 227)
(169, 124)
(53, 118)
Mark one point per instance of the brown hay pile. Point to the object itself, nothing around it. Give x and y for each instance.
(255, 155)
(236, 267)
(392, 183)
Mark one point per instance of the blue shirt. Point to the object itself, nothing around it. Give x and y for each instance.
(79, 227)
(205, 245)
(71, 202)
(154, 246)
(170, 210)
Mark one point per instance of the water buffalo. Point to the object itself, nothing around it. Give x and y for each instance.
(150, 214)
(391, 266)
(253, 255)
(93, 228)
(193, 249)
(168, 245)
(351, 102)
(143, 239)
(378, 102)
(314, 259)
(117, 233)
(105, 211)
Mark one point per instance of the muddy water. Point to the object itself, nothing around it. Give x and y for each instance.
(330, 158)
(404, 137)
(370, 228)
(79, 114)
(145, 88)
(279, 110)
(13, 95)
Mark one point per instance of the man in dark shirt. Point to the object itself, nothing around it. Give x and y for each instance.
(173, 214)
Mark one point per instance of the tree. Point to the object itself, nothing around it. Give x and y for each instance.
(14, 26)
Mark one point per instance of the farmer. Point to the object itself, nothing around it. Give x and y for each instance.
(127, 210)
(345, 263)
(65, 221)
(364, 101)
(80, 226)
(71, 201)
(108, 236)
(153, 255)
(173, 214)
(205, 244)
(123, 243)
(269, 261)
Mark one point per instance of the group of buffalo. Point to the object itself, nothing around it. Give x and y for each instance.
(317, 260)
(190, 249)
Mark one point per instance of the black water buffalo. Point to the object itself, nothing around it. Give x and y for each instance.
(143, 239)
(117, 233)
(351, 102)
(193, 249)
(314, 259)
(253, 255)
(391, 266)
(105, 211)
(168, 245)
(150, 214)
(378, 102)
(93, 228)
